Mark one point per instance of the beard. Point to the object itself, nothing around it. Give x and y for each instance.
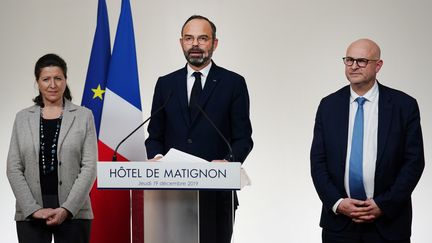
(198, 60)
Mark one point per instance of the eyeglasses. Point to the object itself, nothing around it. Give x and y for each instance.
(189, 40)
(361, 62)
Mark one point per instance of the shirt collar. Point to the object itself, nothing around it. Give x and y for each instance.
(204, 72)
(371, 95)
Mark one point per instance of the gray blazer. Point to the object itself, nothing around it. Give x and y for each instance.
(77, 155)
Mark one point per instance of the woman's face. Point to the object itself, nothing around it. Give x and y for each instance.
(52, 84)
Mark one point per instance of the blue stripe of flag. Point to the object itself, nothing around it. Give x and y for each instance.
(98, 66)
(123, 72)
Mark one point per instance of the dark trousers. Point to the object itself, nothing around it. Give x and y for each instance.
(357, 233)
(216, 216)
(70, 231)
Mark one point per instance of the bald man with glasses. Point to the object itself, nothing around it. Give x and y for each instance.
(367, 155)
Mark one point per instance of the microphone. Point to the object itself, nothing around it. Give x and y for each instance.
(231, 154)
(114, 158)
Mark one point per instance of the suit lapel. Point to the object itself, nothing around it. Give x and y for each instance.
(181, 85)
(34, 124)
(342, 122)
(67, 120)
(211, 82)
(384, 120)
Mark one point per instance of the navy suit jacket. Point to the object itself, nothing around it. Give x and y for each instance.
(224, 98)
(399, 165)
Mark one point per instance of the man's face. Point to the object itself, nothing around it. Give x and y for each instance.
(197, 43)
(363, 76)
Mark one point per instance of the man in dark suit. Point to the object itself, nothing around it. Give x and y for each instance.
(367, 155)
(223, 96)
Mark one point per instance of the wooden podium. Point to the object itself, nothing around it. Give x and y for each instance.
(171, 199)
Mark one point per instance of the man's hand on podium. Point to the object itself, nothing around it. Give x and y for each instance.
(156, 158)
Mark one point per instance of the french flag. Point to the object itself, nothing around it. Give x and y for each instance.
(118, 214)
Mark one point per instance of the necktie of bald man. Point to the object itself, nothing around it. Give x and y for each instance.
(356, 185)
(195, 93)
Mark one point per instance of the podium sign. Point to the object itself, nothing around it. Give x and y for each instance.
(168, 175)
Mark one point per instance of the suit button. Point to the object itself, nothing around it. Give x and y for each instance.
(60, 183)
(60, 163)
(189, 140)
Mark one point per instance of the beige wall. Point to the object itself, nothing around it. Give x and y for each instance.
(290, 53)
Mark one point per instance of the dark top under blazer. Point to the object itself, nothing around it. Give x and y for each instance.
(226, 101)
(399, 165)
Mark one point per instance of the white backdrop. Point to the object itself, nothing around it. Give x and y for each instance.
(288, 51)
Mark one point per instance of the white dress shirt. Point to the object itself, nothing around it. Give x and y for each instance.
(370, 140)
(191, 79)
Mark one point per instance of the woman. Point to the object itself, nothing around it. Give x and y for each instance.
(51, 165)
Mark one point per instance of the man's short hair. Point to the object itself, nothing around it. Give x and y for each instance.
(213, 26)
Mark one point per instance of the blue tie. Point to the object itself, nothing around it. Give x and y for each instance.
(356, 186)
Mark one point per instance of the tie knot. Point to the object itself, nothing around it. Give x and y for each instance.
(197, 75)
(361, 100)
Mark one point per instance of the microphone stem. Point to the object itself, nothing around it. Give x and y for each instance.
(231, 155)
(130, 134)
(114, 158)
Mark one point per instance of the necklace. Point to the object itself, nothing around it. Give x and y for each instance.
(48, 155)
